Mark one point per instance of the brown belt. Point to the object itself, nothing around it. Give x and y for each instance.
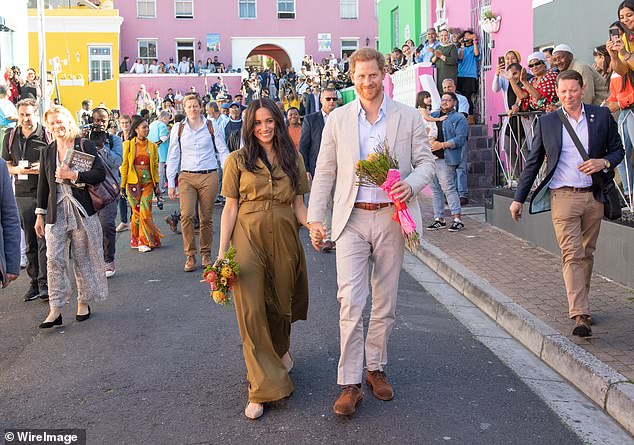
(576, 189)
(371, 205)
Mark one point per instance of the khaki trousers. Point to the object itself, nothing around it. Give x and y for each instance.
(371, 239)
(577, 219)
(202, 189)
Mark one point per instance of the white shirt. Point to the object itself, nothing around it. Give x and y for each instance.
(137, 68)
(154, 69)
(183, 68)
(567, 172)
(196, 150)
(370, 136)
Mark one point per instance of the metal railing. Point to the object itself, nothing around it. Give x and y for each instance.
(512, 137)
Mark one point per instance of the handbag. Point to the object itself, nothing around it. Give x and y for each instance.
(105, 192)
(612, 203)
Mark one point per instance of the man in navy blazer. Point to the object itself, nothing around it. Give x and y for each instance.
(570, 188)
(309, 142)
(9, 229)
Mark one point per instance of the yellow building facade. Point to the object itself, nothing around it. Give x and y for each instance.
(83, 45)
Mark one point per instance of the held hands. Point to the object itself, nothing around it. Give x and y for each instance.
(591, 166)
(317, 235)
(516, 210)
(435, 146)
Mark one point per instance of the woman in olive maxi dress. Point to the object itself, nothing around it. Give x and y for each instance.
(264, 184)
(446, 60)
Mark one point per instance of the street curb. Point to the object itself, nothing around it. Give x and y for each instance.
(609, 389)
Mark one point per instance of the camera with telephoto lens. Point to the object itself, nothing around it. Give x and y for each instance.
(159, 203)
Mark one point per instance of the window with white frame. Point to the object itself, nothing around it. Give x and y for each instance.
(146, 9)
(348, 46)
(147, 50)
(349, 9)
(100, 62)
(184, 9)
(184, 48)
(246, 9)
(285, 9)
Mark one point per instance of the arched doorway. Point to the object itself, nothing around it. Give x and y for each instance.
(269, 56)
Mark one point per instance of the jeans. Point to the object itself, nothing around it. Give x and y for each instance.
(626, 130)
(107, 216)
(461, 174)
(123, 210)
(162, 177)
(444, 184)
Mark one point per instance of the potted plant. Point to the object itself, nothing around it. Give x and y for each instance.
(490, 22)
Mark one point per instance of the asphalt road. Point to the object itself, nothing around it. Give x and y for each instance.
(160, 363)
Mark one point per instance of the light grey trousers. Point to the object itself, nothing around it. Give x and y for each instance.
(81, 235)
(372, 241)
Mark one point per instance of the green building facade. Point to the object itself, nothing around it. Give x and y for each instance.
(400, 20)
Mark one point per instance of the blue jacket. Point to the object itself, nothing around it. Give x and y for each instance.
(454, 130)
(603, 142)
(9, 226)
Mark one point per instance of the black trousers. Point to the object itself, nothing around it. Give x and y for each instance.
(107, 217)
(468, 86)
(35, 247)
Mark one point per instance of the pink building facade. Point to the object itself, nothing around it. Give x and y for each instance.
(233, 30)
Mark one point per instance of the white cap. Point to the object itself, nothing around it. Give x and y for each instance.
(562, 47)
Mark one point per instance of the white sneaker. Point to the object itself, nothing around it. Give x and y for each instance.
(110, 269)
(143, 248)
(23, 261)
(122, 227)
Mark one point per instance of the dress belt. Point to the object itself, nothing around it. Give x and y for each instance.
(372, 205)
(575, 189)
(199, 172)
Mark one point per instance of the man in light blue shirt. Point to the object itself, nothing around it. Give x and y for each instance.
(426, 50)
(8, 113)
(159, 134)
(191, 157)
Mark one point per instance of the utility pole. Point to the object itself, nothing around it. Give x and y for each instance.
(41, 39)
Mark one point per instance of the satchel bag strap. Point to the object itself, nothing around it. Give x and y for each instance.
(572, 134)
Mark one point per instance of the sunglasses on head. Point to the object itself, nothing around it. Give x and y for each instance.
(533, 65)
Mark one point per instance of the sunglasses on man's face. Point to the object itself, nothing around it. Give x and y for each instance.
(533, 65)
(330, 99)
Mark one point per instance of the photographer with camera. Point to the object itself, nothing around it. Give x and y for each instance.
(110, 147)
(468, 56)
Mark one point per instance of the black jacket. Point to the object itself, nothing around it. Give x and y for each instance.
(47, 187)
(603, 142)
(310, 140)
(33, 145)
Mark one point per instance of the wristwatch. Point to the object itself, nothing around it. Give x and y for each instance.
(606, 165)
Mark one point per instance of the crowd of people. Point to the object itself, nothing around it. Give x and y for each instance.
(283, 141)
(185, 66)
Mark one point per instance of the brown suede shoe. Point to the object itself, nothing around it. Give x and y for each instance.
(582, 326)
(377, 382)
(190, 263)
(207, 261)
(347, 402)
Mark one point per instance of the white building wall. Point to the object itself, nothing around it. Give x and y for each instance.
(14, 44)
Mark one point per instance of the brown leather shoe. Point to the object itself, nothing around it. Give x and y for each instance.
(207, 261)
(377, 382)
(190, 263)
(347, 402)
(582, 326)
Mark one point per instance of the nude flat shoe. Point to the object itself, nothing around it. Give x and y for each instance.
(287, 361)
(254, 410)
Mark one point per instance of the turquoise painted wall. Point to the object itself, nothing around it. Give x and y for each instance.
(410, 19)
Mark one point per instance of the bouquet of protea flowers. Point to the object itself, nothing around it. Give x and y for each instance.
(221, 276)
(380, 169)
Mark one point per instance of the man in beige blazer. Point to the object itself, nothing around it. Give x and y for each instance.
(362, 224)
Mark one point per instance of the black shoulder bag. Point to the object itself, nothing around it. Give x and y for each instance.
(612, 205)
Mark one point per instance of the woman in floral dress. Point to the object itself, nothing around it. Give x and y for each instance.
(139, 181)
